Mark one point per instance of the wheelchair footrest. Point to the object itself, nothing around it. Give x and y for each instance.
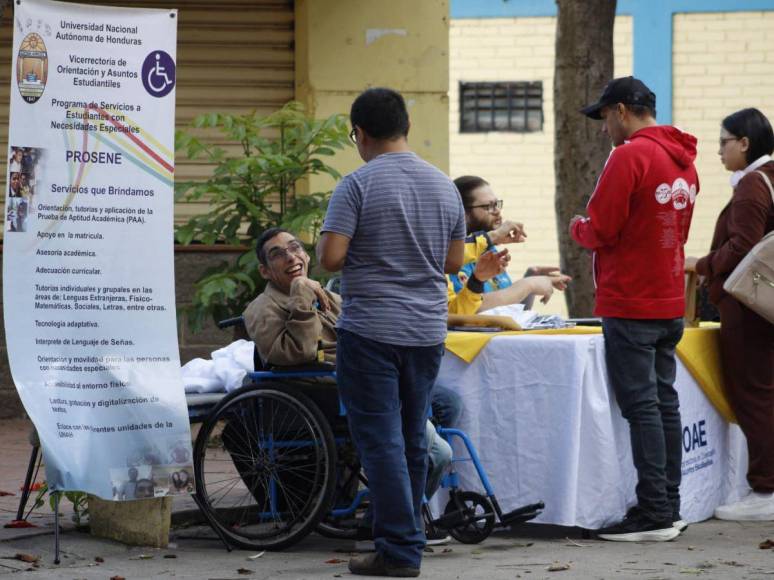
(522, 514)
(459, 518)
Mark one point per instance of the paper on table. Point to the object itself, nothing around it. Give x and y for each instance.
(529, 319)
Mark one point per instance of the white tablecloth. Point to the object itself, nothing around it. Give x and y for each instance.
(546, 425)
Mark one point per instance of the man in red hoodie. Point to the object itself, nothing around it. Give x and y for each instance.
(637, 224)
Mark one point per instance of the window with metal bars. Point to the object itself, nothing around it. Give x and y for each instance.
(501, 106)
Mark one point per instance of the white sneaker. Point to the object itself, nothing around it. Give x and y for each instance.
(439, 540)
(754, 507)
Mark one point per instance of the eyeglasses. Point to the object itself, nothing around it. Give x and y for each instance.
(724, 140)
(490, 207)
(276, 254)
(353, 136)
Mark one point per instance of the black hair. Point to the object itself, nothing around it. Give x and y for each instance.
(754, 125)
(641, 111)
(263, 238)
(381, 113)
(466, 185)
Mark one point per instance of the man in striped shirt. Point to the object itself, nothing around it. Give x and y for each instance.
(394, 227)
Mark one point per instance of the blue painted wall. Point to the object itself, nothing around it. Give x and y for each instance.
(652, 29)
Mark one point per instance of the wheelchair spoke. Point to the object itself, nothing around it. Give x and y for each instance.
(227, 489)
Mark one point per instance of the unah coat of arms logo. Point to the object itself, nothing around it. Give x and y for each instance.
(32, 67)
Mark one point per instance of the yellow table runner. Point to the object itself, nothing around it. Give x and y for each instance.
(699, 350)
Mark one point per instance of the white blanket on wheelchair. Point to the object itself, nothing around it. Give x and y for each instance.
(225, 371)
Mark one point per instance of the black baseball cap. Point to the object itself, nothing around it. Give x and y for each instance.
(626, 90)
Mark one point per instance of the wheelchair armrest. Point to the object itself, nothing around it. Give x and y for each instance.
(236, 321)
(310, 367)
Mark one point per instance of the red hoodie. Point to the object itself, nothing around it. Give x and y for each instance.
(637, 224)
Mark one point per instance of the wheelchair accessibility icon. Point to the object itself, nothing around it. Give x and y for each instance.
(158, 73)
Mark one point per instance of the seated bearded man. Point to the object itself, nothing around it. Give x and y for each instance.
(293, 322)
(487, 230)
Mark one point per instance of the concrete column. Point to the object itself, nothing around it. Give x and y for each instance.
(346, 46)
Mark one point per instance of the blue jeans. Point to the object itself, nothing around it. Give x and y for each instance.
(447, 406)
(640, 356)
(385, 389)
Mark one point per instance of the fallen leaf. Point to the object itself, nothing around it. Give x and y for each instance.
(766, 544)
(117, 578)
(19, 524)
(256, 556)
(142, 557)
(99, 559)
(4, 493)
(34, 487)
(691, 571)
(244, 571)
(335, 561)
(691, 548)
(429, 549)
(446, 550)
(170, 556)
(557, 567)
(26, 557)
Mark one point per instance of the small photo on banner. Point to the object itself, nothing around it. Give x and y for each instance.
(16, 214)
(25, 168)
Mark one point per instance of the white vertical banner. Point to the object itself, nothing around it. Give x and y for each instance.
(88, 264)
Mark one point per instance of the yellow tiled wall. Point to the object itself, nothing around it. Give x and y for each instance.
(520, 166)
(722, 62)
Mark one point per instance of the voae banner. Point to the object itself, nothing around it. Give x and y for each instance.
(88, 269)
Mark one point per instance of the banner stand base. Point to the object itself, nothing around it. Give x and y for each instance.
(140, 522)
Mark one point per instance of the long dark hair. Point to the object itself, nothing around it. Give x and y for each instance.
(754, 125)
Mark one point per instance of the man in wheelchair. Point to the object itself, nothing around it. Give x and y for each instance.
(293, 322)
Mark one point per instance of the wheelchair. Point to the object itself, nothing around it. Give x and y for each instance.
(274, 461)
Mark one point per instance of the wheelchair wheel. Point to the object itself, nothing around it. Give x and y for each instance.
(476, 517)
(265, 463)
(350, 481)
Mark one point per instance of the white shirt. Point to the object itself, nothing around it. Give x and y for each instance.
(737, 176)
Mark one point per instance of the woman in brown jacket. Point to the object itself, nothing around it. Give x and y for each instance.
(746, 339)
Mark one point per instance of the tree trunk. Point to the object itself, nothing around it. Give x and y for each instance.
(584, 64)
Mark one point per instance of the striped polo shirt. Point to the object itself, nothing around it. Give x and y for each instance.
(400, 214)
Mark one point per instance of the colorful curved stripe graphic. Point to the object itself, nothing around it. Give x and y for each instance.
(142, 149)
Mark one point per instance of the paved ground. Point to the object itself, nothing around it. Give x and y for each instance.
(711, 550)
